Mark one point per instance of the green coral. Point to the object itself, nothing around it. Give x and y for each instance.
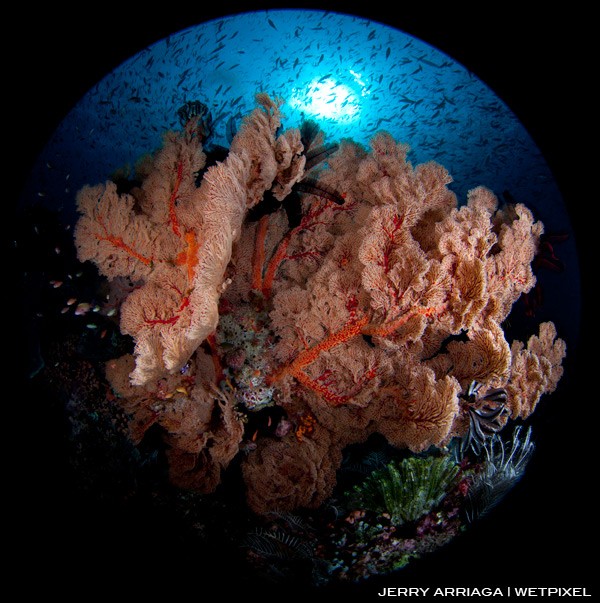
(407, 489)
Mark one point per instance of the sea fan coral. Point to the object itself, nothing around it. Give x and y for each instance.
(287, 474)
(360, 300)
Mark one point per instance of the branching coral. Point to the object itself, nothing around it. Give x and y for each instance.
(370, 311)
(177, 238)
(535, 370)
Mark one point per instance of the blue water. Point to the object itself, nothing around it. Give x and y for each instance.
(352, 75)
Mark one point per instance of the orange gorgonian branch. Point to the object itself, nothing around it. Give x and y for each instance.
(189, 256)
(258, 258)
(307, 222)
(308, 356)
(385, 329)
(353, 329)
(118, 242)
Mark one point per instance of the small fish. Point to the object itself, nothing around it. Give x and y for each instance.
(430, 63)
(271, 24)
(217, 49)
(71, 301)
(91, 326)
(82, 308)
(56, 284)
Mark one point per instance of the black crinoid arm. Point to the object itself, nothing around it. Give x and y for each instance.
(486, 415)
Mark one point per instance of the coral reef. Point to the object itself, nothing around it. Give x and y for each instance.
(337, 285)
(176, 238)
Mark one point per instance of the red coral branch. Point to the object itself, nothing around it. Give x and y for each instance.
(189, 256)
(118, 242)
(388, 328)
(346, 333)
(185, 302)
(303, 254)
(321, 389)
(258, 258)
(308, 356)
(322, 386)
(309, 221)
(352, 306)
(391, 234)
(278, 257)
(352, 329)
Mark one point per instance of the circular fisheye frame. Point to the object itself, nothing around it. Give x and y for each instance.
(294, 301)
